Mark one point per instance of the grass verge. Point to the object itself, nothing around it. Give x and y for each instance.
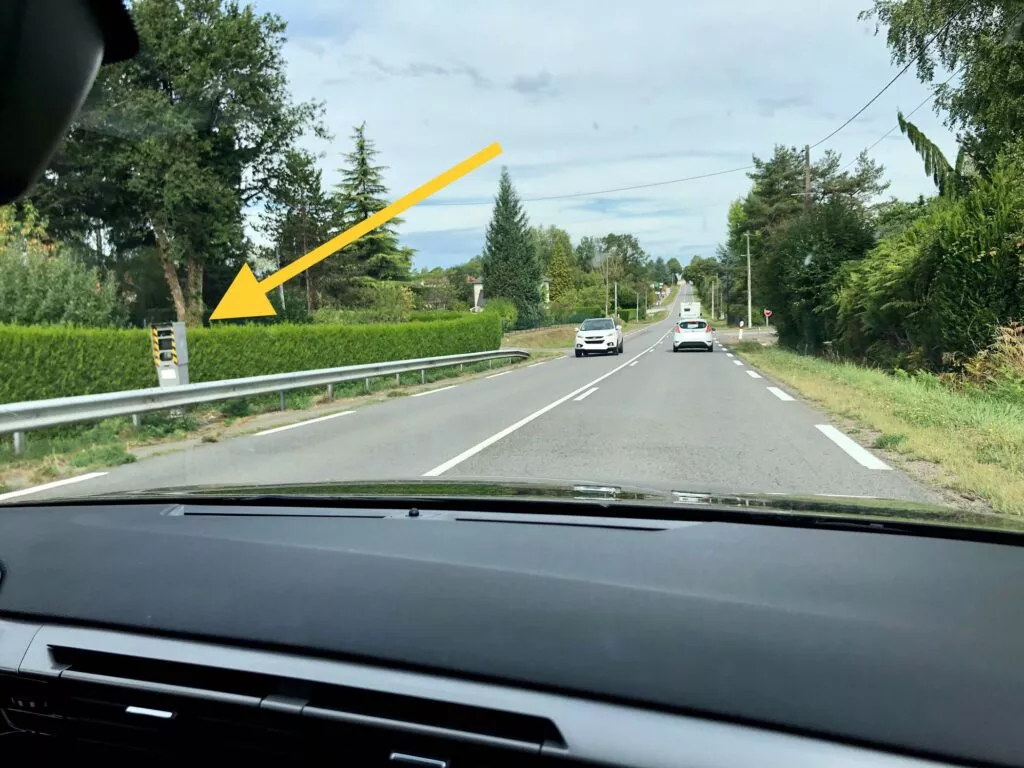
(60, 452)
(975, 440)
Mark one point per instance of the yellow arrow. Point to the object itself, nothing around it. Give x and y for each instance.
(247, 296)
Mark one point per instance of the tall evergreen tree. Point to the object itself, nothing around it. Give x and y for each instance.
(560, 271)
(299, 217)
(361, 194)
(510, 268)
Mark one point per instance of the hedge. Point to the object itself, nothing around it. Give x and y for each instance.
(37, 363)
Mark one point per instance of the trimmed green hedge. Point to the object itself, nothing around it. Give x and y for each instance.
(37, 363)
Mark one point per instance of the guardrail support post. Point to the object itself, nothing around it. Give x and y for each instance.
(136, 420)
(423, 375)
(398, 378)
(330, 391)
(284, 406)
(19, 443)
(367, 380)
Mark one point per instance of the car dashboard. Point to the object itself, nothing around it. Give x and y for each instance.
(374, 636)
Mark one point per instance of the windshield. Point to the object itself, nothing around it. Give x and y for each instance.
(301, 243)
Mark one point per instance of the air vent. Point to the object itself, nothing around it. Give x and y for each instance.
(181, 710)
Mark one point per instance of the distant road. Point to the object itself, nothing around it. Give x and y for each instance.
(691, 420)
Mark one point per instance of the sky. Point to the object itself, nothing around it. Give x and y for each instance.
(593, 95)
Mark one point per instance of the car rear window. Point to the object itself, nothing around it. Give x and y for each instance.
(690, 325)
(597, 325)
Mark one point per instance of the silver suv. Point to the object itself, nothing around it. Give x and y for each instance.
(599, 334)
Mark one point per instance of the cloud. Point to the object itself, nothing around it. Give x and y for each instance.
(423, 69)
(539, 84)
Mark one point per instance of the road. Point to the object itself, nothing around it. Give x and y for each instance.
(692, 420)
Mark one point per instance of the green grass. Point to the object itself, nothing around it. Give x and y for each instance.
(974, 438)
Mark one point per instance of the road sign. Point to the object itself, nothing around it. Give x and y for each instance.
(767, 313)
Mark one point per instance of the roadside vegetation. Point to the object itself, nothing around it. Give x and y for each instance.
(970, 428)
(904, 315)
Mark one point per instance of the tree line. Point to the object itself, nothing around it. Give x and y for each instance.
(147, 199)
(918, 284)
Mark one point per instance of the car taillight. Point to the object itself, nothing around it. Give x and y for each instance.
(676, 330)
(707, 329)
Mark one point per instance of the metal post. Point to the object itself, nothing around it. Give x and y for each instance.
(367, 380)
(423, 375)
(19, 443)
(749, 291)
(488, 363)
(398, 378)
(281, 401)
(616, 299)
(330, 391)
(136, 420)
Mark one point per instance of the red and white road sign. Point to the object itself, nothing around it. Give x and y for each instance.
(767, 313)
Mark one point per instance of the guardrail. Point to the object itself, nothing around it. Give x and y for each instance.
(19, 418)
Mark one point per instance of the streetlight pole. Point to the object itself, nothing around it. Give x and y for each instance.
(750, 305)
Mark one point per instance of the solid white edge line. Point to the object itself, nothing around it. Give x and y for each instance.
(754, 374)
(48, 486)
(496, 375)
(432, 391)
(859, 454)
(440, 469)
(534, 365)
(783, 396)
(586, 394)
(302, 423)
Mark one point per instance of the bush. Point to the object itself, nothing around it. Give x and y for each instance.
(39, 363)
(42, 284)
(506, 310)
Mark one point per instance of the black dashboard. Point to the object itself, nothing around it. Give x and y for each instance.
(469, 639)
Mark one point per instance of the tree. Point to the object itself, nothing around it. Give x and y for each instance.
(952, 181)
(43, 284)
(360, 194)
(674, 267)
(560, 272)
(174, 143)
(299, 216)
(586, 254)
(510, 268)
(983, 41)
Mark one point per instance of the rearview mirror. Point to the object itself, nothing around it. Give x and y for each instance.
(618, 327)
(52, 50)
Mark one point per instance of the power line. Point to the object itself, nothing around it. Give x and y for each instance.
(888, 133)
(604, 191)
(899, 74)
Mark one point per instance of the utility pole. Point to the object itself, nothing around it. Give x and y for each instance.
(637, 304)
(280, 288)
(750, 312)
(616, 298)
(807, 178)
(604, 268)
(713, 284)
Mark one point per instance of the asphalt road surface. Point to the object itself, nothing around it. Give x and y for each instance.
(693, 421)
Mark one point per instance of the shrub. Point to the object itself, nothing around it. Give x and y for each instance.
(506, 310)
(42, 284)
(38, 363)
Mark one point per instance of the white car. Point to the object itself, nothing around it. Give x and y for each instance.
(693, 334)
(599, 334)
